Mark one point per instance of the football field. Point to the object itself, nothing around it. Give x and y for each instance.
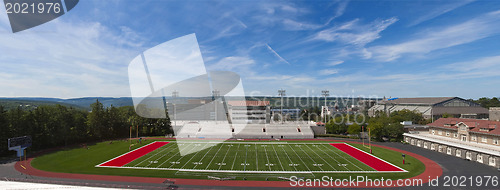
(252, 157)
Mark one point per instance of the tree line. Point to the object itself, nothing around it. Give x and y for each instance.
(382, 126)
(56, 125)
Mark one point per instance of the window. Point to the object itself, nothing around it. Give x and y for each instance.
(495, 141)
(440, 132)
(473, 137)
(479, 158)
(447, 133)
(455, 135)
(433, 132)
(448, 151)
(492, 161)
(484, 139)
(468, 155)
(458, 153)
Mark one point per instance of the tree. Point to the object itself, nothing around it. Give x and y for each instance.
(447, 115)
(96, 121)
(354, 129)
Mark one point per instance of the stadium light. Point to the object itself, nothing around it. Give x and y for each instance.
(281, 93)
(325, 93)
(215, 93)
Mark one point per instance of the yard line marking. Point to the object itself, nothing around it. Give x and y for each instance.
(256, 157)
(193, 156)
(183, 148)
(224, 156)
(246, 156)
(294, 167)
(214, 157)
(268, 164)
(328, 148)
(320, 157)
(300, 159)
(203, 157)
(315, 163)
(153, 155)
(167, 152)
(235, 156)
(177, 161)
(277, 156)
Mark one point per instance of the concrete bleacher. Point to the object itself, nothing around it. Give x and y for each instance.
(224, 130)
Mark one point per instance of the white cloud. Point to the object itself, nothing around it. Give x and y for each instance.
(354, 33)
(336, 63)
(66, 59)
(232, 63)
(439, 38)
(440, 10)
(341, 6)
(328, 71)
(295, 25)
(483, 64)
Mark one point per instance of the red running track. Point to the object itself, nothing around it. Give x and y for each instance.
(131, 156)
(370, 160)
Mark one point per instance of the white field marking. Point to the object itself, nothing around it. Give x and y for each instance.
(183, 148)
(223, 159)
(204, 156)
(220, 164)
(328, 148)
(153, 156)
(166, 153)
(235, 156)
(310, 158)
(333, 158)
(292, 164)
(321, 158)
(99, 165)
(256, 158)
(403, 170)
(251, 171)
(193, 156)
(277, 156)
(300, 158)
(265, 151)
(215, 155)
(178, 160)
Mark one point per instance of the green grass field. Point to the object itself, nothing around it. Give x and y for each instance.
(230, 158)
(251, 157)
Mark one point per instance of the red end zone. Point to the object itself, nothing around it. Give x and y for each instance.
(368, 159)
(131, 156)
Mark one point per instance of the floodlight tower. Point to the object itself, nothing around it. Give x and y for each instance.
(282, 93)
(215, 94)
(325, 93)
(175, 94)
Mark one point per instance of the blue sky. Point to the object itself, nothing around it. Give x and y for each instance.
(352, 48)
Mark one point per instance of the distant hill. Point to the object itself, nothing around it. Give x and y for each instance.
(77, 103)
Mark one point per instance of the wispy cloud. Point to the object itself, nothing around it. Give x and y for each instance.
(440, 10)
(232, 63)
(328, 71)
(355, 33)
(442, 37)
(341, 6)
(334, 63)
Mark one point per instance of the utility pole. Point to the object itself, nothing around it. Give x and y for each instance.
(282, 93)
(325, 93)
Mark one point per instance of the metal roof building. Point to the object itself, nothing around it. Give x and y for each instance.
(433, 106)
